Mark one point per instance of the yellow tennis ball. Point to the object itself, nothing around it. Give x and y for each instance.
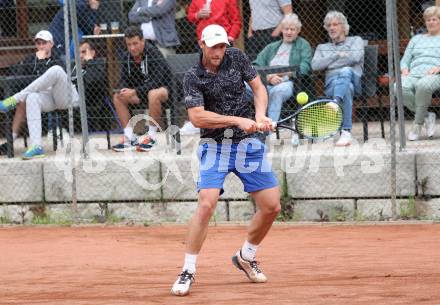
(302, 98)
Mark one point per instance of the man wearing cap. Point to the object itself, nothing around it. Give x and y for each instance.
(216, 102)
(35, 64)
(46, 93)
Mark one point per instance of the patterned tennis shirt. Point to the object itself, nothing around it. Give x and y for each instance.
(223, 93)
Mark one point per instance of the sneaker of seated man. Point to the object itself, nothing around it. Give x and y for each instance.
(144, 77)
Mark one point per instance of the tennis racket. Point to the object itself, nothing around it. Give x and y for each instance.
(319, 119)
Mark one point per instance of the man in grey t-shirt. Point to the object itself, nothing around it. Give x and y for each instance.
(265, 23)
(343, 62)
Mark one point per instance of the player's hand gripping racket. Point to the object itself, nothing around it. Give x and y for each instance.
(319, 119)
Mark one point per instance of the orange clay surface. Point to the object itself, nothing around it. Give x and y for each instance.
(305, 264)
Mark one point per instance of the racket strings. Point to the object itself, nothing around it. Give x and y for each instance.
(319, 120)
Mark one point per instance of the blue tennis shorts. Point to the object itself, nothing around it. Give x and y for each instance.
(246, 159)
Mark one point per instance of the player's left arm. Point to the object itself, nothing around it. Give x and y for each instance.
(260, 102)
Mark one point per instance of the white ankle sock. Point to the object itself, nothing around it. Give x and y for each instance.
(190, 263)
(14, 136)
(248, 251)
(128, 133)
(152, 131)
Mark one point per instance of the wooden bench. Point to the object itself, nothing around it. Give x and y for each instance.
(13, 50)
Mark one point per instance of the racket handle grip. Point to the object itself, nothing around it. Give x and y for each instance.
(260, 126)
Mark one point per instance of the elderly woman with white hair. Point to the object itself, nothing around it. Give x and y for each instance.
(343, 60)
(292, 50)
(420, 68)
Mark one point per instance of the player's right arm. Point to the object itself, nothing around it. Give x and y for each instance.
(202, 118)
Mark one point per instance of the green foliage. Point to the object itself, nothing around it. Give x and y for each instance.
(41, 220)
(408, 209)
(287, 203)
(339, 213)
(287, 210)
(42, 217)
(358, 216)
(421, 188)
(112, 219)
(107, 215)
(5, 220)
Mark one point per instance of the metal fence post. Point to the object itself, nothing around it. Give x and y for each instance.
(391, 71)
(80, 83)
(71, 148)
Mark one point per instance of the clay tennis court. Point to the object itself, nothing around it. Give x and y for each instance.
(305, 264)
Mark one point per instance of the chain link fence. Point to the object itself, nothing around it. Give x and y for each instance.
(420, 94)
(319, 181)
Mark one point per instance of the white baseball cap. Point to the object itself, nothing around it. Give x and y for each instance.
(214, 34)
(44, 35)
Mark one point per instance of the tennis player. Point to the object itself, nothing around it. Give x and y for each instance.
(216, 100)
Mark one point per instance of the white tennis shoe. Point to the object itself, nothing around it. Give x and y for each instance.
(415, 133)
(250, 268)
(430, 124)
(345, 138)
(183, 283)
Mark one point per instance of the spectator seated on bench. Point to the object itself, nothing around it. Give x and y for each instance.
(98, 104)
(420, 67)
(292, 50)
(34, 65)
(342, 59)
(48, 93)
(145, 77)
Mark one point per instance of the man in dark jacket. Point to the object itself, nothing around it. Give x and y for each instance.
(144, 77)
(157, 21)
(95, 84)
(87, 14)
(34, 65)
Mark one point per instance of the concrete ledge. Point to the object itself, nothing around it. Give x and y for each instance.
(238, 211)
(428, 167)
(21, 181)
(346, 172)
(324, 210)
(241, 210)
(180, 174)
(377, 209)
(429, 209)
(321, 172)
(157, 212)
(99, 179)
(15, 213)
(380, 209)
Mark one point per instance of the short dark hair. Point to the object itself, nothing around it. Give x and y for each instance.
(90, 43)
(133, 31)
